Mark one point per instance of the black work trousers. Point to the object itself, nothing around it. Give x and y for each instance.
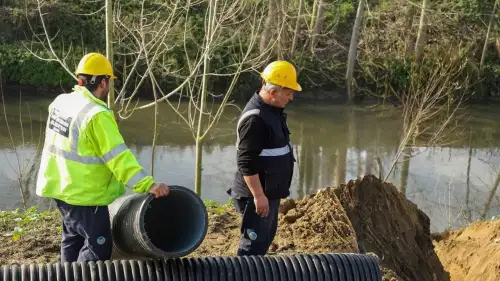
(257, 233)
(86, 233)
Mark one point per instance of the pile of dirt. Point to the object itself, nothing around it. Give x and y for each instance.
(471, 253)
(391, 226)
(315, 224)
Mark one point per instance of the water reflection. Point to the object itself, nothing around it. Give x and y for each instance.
(333, 144)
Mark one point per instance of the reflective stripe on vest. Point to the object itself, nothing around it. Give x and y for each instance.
(74, 156)
(265, 152)
(243, 117)
(276, 151)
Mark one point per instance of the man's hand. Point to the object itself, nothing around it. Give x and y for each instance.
(159, 189)
(261, 205)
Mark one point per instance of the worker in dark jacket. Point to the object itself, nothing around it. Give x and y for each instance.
(265, 158)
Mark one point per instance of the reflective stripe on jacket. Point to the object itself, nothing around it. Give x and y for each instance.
(275, 158)
(85, 160)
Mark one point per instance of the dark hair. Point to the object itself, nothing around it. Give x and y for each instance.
(90, 82)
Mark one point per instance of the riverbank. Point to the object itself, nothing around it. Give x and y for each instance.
(363, 215)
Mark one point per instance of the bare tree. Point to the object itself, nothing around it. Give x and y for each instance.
(268, 25)
(140, 37)
(487, 39)
(225, 21)
(431, 103)
(493, 191)
(351, 60)
(422, 33)
(145, 40)
(318, 25)
(24, 163)
(109, 49)
(297, 27)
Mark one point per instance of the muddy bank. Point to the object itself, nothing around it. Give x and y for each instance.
(363, 216)
(471, 253)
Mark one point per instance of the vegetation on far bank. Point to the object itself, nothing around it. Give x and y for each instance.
(315, 35)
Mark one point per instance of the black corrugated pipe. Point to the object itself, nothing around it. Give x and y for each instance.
(302, 267)
(168, 227)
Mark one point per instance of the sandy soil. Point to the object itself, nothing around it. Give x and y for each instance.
(471, 253)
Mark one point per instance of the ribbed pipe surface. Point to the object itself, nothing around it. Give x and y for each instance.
(301, 267)
(167, 227)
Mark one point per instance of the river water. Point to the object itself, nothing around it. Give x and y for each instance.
(452, 184)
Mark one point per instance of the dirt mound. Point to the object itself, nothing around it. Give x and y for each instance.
(471, 253)
(391, 226)
(316, 224)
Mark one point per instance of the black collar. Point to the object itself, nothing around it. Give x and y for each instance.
(271, 108)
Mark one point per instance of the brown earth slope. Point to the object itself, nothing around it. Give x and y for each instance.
(471, 253)
(391, 226)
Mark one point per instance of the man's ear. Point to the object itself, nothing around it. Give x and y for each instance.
(103, 83)
(272, 92)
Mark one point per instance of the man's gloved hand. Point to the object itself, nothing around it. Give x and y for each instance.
(159, 189)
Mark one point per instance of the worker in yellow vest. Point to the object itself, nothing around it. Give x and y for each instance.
(85, 164)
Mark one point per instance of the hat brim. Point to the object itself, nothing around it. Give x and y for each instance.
(297, 87)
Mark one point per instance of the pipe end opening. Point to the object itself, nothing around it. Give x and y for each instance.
(176, 224)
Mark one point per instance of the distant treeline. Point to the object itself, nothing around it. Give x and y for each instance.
(316, 35)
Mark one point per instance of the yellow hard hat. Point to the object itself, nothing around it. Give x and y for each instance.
(281, 73)
(95, 64)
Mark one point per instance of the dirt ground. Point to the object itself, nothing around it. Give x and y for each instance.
(362, 216)
(471, 253)
(38, 244)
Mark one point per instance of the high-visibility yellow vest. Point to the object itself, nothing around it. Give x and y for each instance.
(85, 161)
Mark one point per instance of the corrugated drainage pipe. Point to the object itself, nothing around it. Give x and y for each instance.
(303, 267)
(168, 227)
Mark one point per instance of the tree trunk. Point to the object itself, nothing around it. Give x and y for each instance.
(155, 133)
(405, 171)
(422, 31)
(490, 198)
(282, 8)
(353, 49)
(302, 163)
(297, 28)
(206, 65)
(340, 172)
(485, 47)
(468, 211)
(268, 26)
(109, 50)
(410, 45)
(313, 16)
(318, 26)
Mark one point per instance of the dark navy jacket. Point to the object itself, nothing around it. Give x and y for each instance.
(263, 128)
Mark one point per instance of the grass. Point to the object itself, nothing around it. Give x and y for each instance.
(217, 209)
(29, 236)
(16, 224)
